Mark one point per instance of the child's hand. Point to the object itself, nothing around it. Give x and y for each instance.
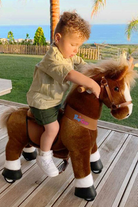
(95, 89)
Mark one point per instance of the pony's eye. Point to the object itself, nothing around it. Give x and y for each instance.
(116, 89)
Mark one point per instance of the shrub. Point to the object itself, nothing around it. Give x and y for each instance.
(10, 37)
(39, 38)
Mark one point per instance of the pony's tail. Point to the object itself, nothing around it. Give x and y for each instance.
(5, 116)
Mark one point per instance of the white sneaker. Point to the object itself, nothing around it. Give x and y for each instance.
(45, 162)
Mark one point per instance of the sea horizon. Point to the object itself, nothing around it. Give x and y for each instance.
(100, 33)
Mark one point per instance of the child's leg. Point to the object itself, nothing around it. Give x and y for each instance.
(48, 137)
(44, 159)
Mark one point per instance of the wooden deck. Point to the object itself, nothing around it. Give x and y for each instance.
(117, 185)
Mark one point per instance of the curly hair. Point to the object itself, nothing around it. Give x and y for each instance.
(71, 22)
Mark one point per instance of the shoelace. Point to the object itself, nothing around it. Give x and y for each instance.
(47, 162)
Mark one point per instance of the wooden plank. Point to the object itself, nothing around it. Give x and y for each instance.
(130, 197)
(3, 133)
(19, 188)
(125, 182)
(2, 108)
(2, 160)
(99, 188)
(102, 135)
(5, 86)
(32, 178)
(49, 190)
(6, 91)
(25, 167)
(3, 143)
(10, 103)
(117, 127)
(108, 190)
(109, 151)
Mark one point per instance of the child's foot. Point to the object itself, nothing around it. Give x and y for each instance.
(45, 162)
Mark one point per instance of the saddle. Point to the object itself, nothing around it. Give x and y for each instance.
(30, 115)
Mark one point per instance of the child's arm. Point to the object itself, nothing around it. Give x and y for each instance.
(80, 79)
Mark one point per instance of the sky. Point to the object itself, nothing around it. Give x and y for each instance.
(37, 12)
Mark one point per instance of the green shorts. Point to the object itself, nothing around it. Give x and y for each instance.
(45, 116)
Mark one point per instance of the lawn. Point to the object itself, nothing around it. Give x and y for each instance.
(20, 68)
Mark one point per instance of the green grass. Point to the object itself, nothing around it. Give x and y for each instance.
(20, 68)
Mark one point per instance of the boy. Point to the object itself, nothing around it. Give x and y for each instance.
(51, 80)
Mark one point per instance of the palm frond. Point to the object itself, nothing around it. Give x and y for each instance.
(97, 5)
(131, 27)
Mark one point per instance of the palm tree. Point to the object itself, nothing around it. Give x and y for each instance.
(54, 16)
(55, 12)
(132, 26)
(97, 5)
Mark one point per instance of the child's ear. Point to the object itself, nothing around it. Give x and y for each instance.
(57, 37)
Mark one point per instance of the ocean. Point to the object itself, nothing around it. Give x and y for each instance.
(100, 33)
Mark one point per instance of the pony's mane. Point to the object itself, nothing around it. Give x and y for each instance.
(110, 67)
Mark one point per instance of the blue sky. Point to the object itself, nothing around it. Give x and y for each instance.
(36, 12)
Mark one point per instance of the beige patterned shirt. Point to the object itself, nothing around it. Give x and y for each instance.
(49, 85)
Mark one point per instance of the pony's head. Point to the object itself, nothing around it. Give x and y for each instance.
(116, 78)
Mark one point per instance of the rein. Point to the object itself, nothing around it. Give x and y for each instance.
(104, 84)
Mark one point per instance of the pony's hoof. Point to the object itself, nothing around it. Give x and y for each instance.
(88, 194)
(97, 166)
(29, 155)
(11, 175)
(9, 180)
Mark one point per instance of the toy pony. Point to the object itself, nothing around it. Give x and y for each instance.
(78, 125)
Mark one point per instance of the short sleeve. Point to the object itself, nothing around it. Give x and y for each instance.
(78, 63)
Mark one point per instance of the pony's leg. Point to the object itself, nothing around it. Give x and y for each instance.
(79, 142)
(84, 187)
(29, 152)
(95, 161)
(12, 170)
(12, 167)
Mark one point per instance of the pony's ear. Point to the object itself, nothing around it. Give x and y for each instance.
(120, 74)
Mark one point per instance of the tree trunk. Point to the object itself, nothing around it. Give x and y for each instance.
(54, 16)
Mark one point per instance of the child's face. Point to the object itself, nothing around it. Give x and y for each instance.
(68, 44)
